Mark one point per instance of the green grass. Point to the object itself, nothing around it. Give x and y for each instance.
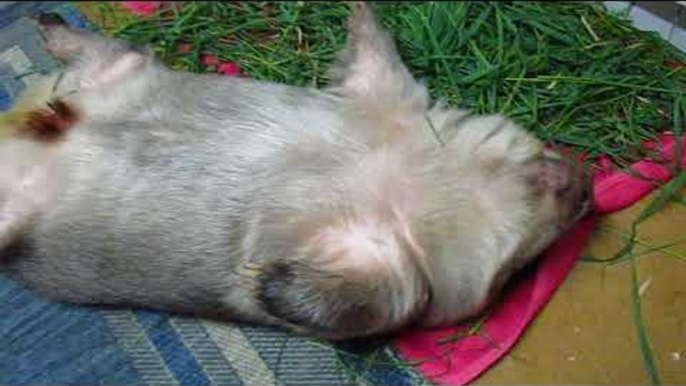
(572, 73)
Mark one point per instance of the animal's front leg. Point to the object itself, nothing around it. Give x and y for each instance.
(28, 182)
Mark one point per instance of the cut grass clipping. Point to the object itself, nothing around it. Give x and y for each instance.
(572, 73)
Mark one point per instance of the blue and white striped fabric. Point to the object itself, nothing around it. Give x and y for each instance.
(49, 343)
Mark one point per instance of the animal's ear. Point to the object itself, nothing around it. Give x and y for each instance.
(370, 66)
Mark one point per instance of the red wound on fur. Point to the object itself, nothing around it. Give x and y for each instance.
(51, 124)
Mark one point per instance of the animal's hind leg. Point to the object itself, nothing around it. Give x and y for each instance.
(60, 40)
(94, 61)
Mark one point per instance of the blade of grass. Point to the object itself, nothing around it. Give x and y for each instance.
(658, 203)
(641, 329)
(548, 78)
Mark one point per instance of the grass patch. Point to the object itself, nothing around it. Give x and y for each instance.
(572, 73)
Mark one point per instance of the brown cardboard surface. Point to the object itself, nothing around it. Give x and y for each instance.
(587, 334)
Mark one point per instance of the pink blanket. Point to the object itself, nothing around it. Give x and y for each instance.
(461, 361)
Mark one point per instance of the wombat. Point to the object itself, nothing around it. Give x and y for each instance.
(334, 212)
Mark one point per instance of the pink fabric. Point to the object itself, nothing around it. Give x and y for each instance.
(209, 59)
(229, 68)
(222, 67)
(616, 190)
(142, 8)
(461, 361)
(185, 48)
